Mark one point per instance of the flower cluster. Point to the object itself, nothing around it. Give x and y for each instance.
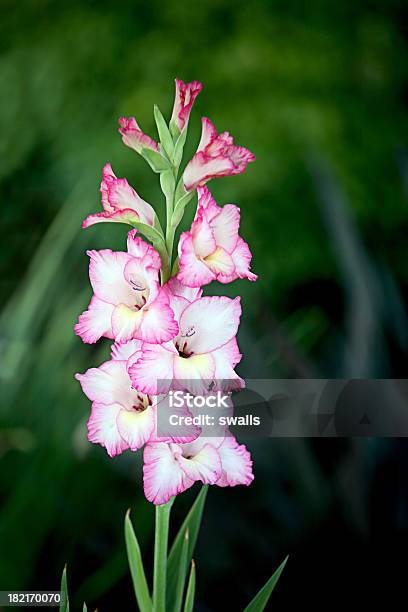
(162, 327)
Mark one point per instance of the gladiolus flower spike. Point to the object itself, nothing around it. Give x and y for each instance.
(153, 310)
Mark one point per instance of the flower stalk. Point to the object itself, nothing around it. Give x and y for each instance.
(167, 183)
(160, 556)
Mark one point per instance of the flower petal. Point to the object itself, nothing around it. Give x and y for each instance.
(126, 323)
(226, 358)
(158, 324)
(213, 320)
(225, 227)
(133, 136)
(155, 364)
(178, 305)
(95, 322)
(136, 428)
(208, 134)
(240, 156)
(122, 352)
(162, 475)
(192, 272)
(207, 206)
(194, 372)
(152, 323)
(102, 428)
(106, 273)
(242, 259)
(201, 168)
(236, 464)
(203, 237)
(143, 280)
(108, 384)
(118, 216)
(175, 287)
(194, 447)
(221, 263)
(118, 195)
(137, 247)
(216, 156)
(186, 94)
(204, 466)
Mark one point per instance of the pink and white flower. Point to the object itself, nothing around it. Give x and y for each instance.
(186, 94)
(212, 249)
(205, 349)
(216, 156)
(120, 202)
(122, 418)
(133, 136)
(170, 469)
(236, 464)
(128, 302)
(175, 289)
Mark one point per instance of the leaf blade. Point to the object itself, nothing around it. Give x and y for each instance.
(182, 573)
(160, 555)
(179, 147)
(192, 522)
(189, 603)
(64, 605)
(181, 203)
(156, 160)
(165, 137)
(260, 600)
(136, 567)
(152, 233)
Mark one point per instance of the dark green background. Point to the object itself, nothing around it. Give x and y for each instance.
(318, 91)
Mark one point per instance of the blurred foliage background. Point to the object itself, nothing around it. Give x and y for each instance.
(318, 90)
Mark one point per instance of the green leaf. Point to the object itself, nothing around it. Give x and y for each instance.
(151, 233)
(156, 161)
(175, 267)
(64, 605)
(165, 137)
(182, 573)
(179, 208)
(191, 523)
(181, 190)
(157, 225)
(261, 598)
(160, 555)
(136, 567)
(179, 147)
(174, 129)
(189, 603)
(167, 183)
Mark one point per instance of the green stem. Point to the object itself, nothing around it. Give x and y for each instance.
(169, 242)
(170, 230)
(169, 213)
(160, 556)
(165, 271)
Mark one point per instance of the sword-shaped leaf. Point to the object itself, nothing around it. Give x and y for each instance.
(261, 598)
(136, 567)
